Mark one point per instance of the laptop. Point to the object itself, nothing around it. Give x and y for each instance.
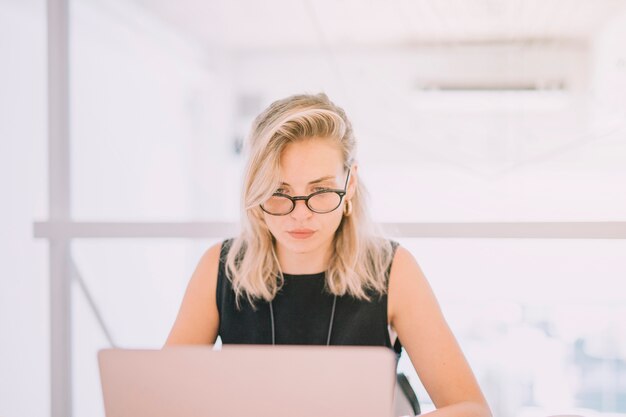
(249, 380)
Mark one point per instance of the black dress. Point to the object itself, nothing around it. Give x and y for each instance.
(302, 311)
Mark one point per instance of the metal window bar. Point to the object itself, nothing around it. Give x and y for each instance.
(64, 230)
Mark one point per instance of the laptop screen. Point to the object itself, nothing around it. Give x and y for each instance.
(240, 380)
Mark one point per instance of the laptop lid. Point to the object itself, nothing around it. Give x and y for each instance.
(248, 380)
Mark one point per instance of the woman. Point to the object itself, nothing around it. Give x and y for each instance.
(308, 266)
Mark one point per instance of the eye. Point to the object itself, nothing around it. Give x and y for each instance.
(280, 191)
(316, 189)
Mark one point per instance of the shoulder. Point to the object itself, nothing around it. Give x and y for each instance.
(198, 316)
(404, 266)
(210, 261)
(217, 252)
(407, 283)
(213, 253)
(208, 265)
(402, 259)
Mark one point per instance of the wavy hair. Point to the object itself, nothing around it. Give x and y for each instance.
(361, 256)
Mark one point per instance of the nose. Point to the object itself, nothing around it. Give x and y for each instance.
(301, 211)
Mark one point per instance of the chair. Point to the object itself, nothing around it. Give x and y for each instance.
(406, 402)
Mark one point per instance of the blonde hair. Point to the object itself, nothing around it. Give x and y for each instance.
(358, 265)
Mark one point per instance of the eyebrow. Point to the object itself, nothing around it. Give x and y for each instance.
(326, 178)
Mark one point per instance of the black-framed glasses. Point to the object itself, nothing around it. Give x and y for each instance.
(321, 202)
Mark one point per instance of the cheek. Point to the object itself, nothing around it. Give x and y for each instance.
(331, 223)
(272, 222)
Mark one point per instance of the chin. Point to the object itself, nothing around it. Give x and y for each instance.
(299, 246)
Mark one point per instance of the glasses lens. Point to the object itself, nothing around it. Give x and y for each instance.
(277, 205)
(324, 202)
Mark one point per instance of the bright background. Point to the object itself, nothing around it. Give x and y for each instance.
(465, 111)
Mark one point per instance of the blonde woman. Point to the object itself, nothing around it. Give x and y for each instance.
(309, 267)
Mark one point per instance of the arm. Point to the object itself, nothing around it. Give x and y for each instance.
(198, 319)
(434, 352)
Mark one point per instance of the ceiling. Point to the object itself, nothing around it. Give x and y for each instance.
(247, 24)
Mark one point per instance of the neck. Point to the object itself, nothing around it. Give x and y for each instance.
(303, 263)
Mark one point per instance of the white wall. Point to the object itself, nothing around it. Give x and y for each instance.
(150, 115)
(24, 369)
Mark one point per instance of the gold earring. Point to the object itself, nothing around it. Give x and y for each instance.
(347, 208)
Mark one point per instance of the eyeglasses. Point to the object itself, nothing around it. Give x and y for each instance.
(321, 202)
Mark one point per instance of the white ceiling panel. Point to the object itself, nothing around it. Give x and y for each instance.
(248, 24)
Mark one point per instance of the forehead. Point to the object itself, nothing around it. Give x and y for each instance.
(308, 160)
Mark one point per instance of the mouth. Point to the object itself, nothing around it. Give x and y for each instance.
(301, 233)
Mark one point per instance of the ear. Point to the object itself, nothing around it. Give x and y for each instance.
(352, 183)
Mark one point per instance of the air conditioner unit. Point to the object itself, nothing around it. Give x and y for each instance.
(498, 97)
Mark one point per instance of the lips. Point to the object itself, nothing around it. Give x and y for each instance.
(301, 233)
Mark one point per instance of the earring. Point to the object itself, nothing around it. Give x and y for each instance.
(347, 208)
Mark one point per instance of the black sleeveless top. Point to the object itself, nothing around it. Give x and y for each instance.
(302, 312)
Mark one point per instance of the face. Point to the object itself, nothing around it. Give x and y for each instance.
(308, 166)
